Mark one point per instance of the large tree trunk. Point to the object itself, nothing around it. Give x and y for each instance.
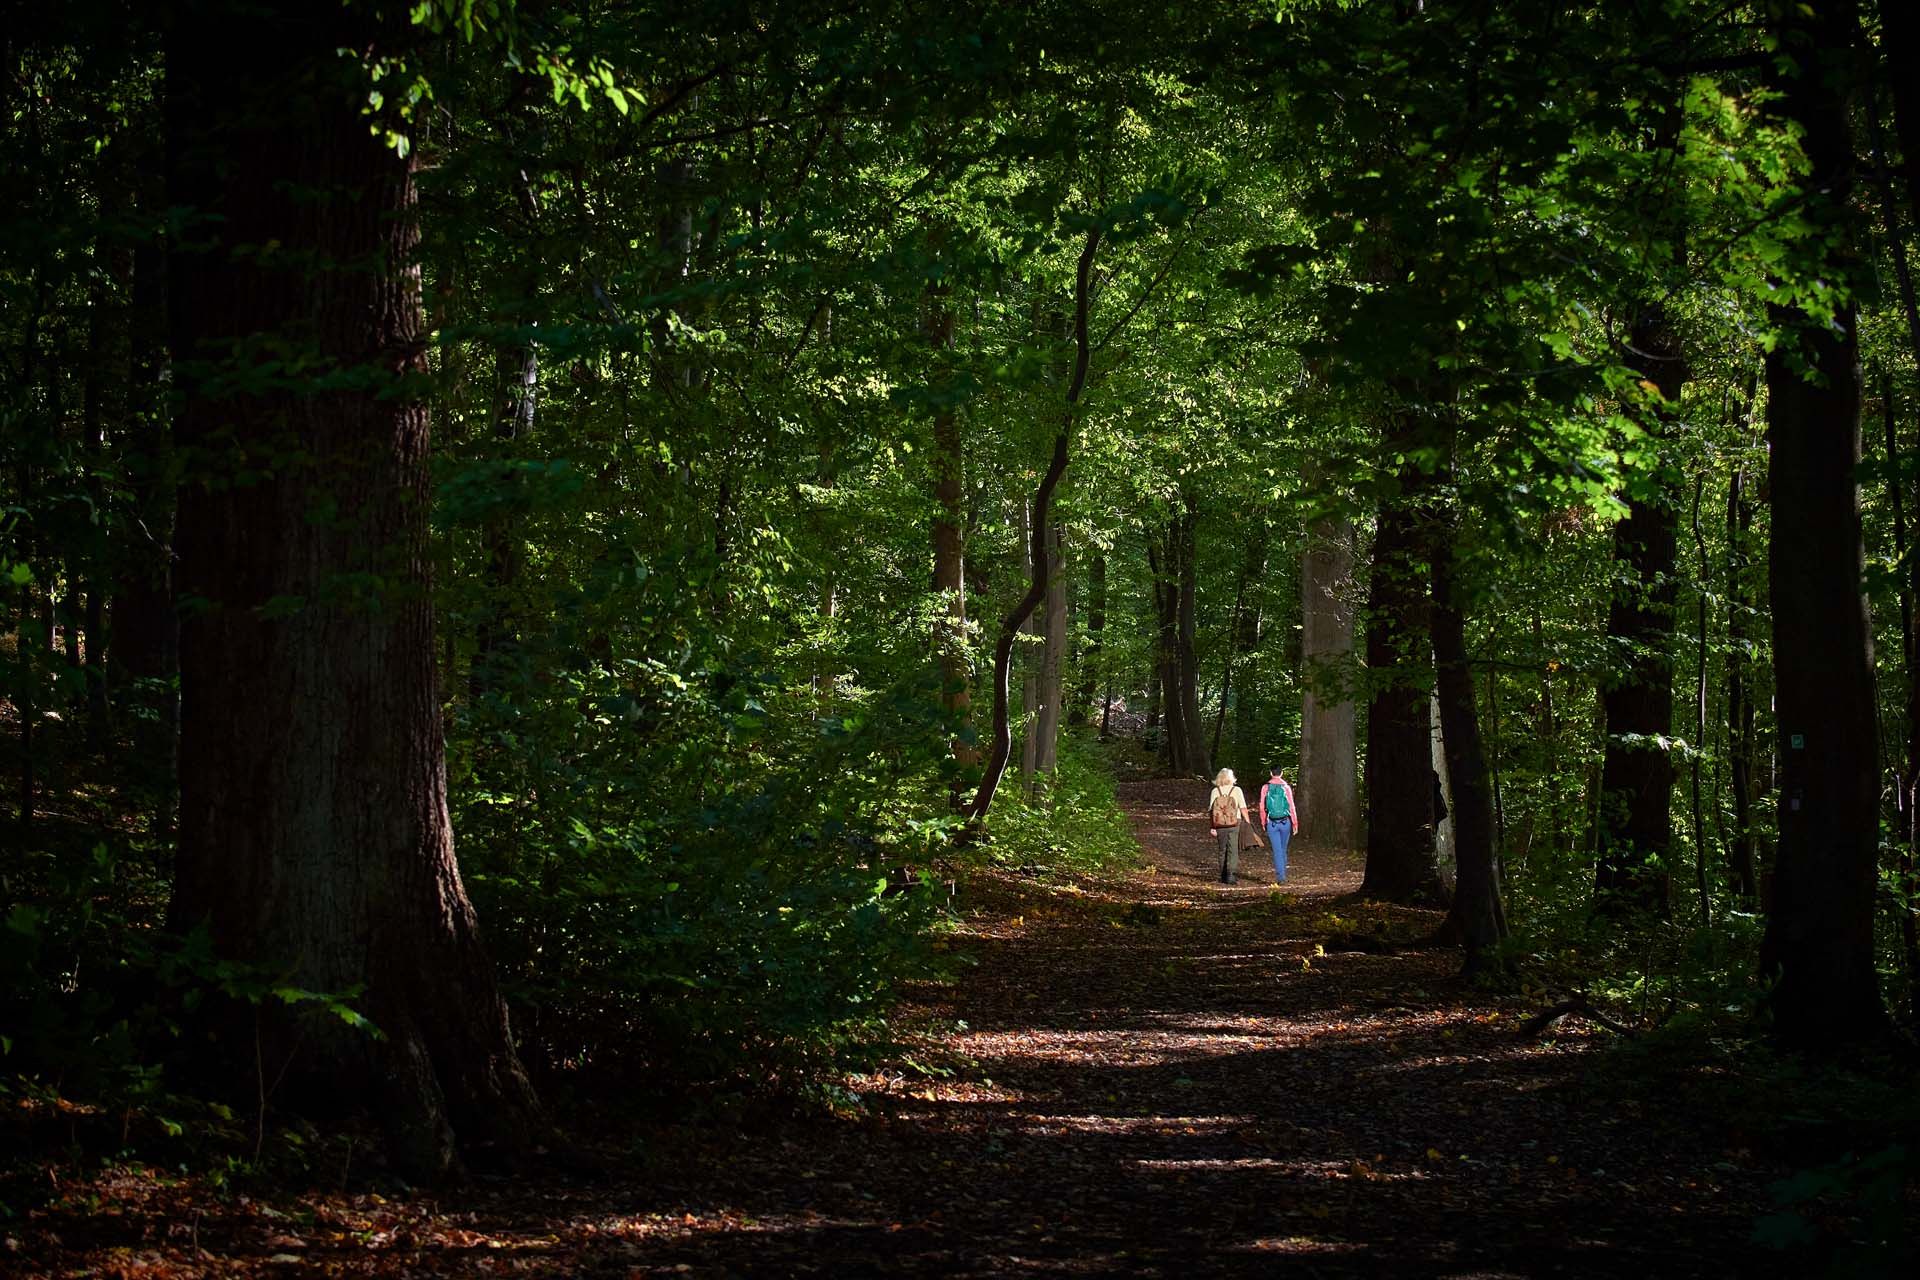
(1819, 946)
(1635, 837)
(314, 839)
(1477, 917)
(1401, 862)
(1329, 755)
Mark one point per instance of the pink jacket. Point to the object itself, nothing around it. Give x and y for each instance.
(1293, 806)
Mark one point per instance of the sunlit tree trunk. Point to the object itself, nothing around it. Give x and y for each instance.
(314, 837)
(1329, 755)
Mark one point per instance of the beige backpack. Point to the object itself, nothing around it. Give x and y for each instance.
(1224, 812)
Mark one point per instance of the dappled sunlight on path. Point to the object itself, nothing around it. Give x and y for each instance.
(1142, 1074)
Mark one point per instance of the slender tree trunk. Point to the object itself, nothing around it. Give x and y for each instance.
(1907, 777)
(1329, 755)
(1635, 836)
(1477, 917)
(1248, 747)
(1002, 744)
(1401, 860)
(1743, 855)
(1029, 677)
(1549, 734)
(1226, 665)
(1053, 658)
(314, 835)
(1166, 598)
(1198, 759)
(950, 545)
(1153, 662)
(26, 700)
(1090, 665)
(1700, 706)
(1819, 945)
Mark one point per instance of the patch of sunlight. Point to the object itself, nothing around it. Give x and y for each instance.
(1106, 1048)
(1299, 1244)
(1132, 1125)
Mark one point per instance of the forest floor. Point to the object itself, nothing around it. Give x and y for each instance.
(1151, 1075)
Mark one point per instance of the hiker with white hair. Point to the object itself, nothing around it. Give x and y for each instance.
(1226, 810)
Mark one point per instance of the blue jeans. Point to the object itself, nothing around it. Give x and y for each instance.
(1278, 833)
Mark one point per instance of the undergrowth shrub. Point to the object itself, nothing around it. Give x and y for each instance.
(1072, 824)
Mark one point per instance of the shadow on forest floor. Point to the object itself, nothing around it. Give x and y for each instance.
(1155, 1076)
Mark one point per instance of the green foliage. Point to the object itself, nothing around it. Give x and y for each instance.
(1072, 824)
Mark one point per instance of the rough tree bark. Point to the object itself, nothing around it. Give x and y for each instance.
(314, 837)
(1477, 917)
(1329, 755)
(1635, 836)
(1401, 862)
(1819, 947)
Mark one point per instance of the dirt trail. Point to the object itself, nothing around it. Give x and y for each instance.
(1159, 1077)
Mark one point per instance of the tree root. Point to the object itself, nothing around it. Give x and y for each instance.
(1577, 1006)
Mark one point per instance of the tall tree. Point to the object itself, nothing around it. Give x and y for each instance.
(1477, 916)
(1329, 755)
(314, 836)
(1000, 747)
(1401, 863)
(1818, 945)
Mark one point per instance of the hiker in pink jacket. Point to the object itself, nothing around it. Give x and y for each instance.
(1282, 816)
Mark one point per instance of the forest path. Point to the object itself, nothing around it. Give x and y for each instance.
(1152, 1075)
